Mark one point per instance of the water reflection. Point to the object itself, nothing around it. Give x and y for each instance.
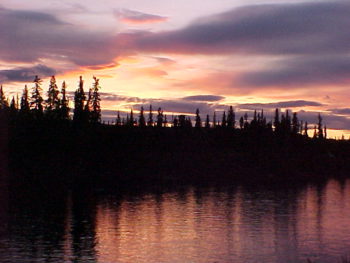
(236, 224)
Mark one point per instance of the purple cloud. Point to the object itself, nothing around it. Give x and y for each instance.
(25, 74)
(136, 17)
(29, 36)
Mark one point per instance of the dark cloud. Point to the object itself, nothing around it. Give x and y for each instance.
(204, 98)
(28, 36)
(281, 104)
(301, 71)
(341, 111)
(302, 28)
(25, 74)
(136, 17)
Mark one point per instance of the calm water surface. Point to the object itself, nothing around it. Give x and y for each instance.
(198, 225)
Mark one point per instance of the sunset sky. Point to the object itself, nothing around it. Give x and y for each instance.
(187, 54)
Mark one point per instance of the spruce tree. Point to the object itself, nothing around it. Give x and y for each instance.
(142, 121)
(241, 123)
(52, 102)
(198, 121)
(150, 116)
(276, 122)
(214, 119)
(160, 117)
(24, 106)
(207, 122)
(95, 102)
(295, 124)
(79, 101)
(118, 121)
(64, 103)
(319, 127)
(224, 121)
(231, 118)
(36, 99)
(3, 100)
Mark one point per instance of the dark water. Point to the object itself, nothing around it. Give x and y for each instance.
(199, 225)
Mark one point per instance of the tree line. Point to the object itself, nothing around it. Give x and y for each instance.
(87, 110)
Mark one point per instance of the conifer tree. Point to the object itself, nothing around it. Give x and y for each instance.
(224, 121)
(150, 117)
(36, 99)
(207, 122)
(64, 103)
(241, 123)
(13, 108)
(3, 100)
(319, 127)
(165, 122)
(214, 119)
(95, 102)
(118, 121)
(198, 122)
(130, 119)
(25, 108)
(52, 102)
(306, 129)
(277, 122)
(79, 102)
(160, 118)
(295, 123)
(142, 121)
(231, 118)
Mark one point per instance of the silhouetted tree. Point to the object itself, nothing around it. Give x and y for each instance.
(207, 122)
(95, 102)
(160, 118)
(325, 132)
(165, 122)
(36, 99)
(3, 100)
(150, 116)
(13, 109)
(295, 124)
(198, 121)
(214, 119)
(25, 108)
(277, 122)
(319, 127)
(241, 123)
(79, 101)
(224, 121)
(231, 118)
(306, 129)
(142, 121)
(52, 102)
(130, 119)
(64, 108)
(118, 121)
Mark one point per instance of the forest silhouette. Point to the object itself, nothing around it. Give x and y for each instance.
(50, 142)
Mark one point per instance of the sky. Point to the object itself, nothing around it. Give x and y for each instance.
(187, 54)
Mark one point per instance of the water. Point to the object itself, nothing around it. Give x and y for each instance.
(197, 225)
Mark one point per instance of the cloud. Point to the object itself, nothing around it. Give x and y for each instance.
(302, 28)
(204, 98)
(301, 71)
(135, 17)
(281, 104)
(30, 36)
(341, 111)
(25, 74)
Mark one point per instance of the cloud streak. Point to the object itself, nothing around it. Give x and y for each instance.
(135, 17)
(25, 74)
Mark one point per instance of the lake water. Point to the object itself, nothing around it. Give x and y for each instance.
(198, 225)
